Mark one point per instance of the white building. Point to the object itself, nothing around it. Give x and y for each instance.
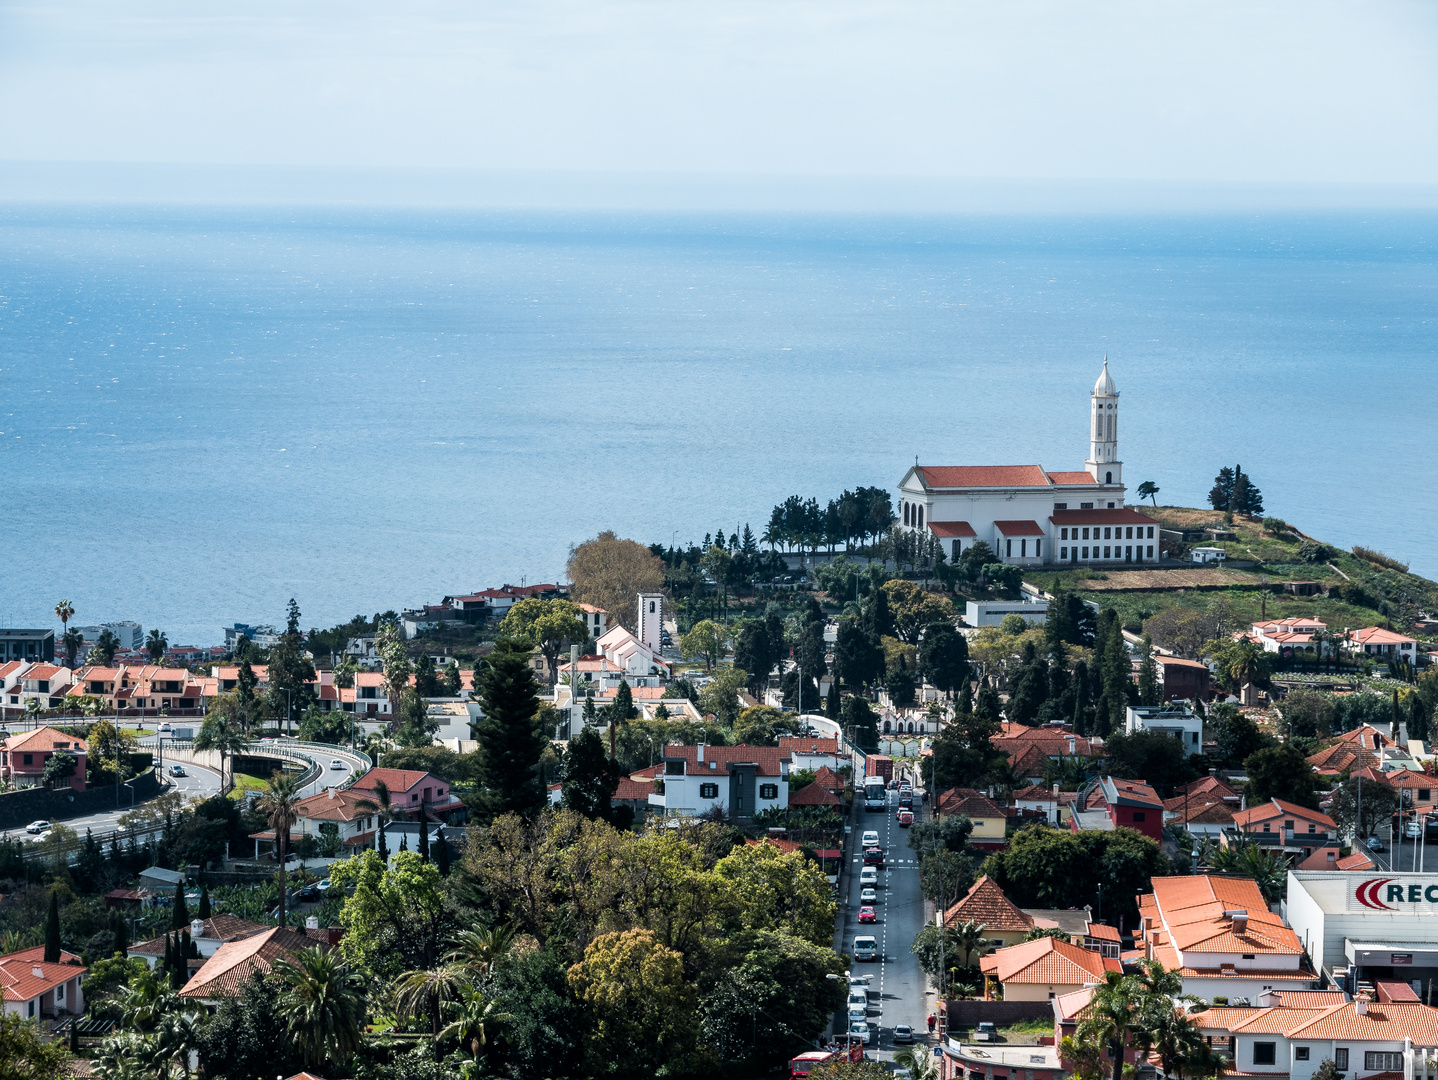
(1376, 641)
(1364, 928)
(1207, 554)
(1166, 720)
(1033, 517)
(738, 781)
(651, 620)
(992, 612)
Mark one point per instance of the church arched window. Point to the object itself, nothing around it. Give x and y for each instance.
(1108, 478)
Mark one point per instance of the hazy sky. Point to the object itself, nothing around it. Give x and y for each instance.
(1156, 90)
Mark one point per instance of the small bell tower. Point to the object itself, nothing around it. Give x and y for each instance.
(1103, 463)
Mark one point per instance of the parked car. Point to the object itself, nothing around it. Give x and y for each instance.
(37, 827)
(868, 896)
(1412, 829)
(177, 770)
(324, 885)
(310, 892)
(1375, 844)
(903, 1033)
(986, 1032)
(859, 1029)
(866, 914)
(858, 1012)
(906, 818)
(874, 856)
(858, 996)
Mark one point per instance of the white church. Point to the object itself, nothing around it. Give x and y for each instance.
(1030, 516)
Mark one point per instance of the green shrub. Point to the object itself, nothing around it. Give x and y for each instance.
(1379, 559)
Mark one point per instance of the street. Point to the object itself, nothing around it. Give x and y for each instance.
(896, 976)
(1409, 856)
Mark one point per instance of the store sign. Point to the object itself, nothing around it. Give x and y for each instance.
(1415, 894)
(1400, 958)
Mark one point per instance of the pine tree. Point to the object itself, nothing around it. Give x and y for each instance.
(181, 914)
(119, 931)
(404, 841)
(966, 699)
(204, 901)
(52, 930)
(831, 704)
(1116, 677)
(423, 836)
(441, 852)
(1221, 495)
(1080, 684)
(509, 737)
(1148, 688)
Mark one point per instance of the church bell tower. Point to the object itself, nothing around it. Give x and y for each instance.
(1103, 463)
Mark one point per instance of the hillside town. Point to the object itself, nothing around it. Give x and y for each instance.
(1002, 779)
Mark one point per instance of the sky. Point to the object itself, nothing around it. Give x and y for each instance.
(1213, 93)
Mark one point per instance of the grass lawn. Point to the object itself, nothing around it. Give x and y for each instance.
(139, 733)
(245, 783)
(1026, 1030)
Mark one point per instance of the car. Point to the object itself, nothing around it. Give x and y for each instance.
(1412, 829)
(986, 1032)
(868, 896)
(903, 1033)
(859, 1029)
(1375, 844)
(37, 827)
(164, 729)
(866, 914)
(323, 885)
(906, 818)
(871, 838)
(858, 996)
(858, 1011)
(865, 948)
(310, 892)
(874, 856)
(868, 876)
(336, 763)
(177, 770)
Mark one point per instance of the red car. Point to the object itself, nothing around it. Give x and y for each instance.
(906, 818)
(873, 856)
(866, 914)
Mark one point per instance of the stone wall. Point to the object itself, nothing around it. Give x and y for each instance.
(19, 808)
(966, 1014)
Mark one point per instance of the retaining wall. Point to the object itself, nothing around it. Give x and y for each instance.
(966, 1014)
(19, 808)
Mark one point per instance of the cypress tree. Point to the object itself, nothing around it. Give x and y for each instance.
(1117, 670)
(120, 931)
(1148, 689)
(169, 961)
(404, 841)
(204, 901)
(509, 737)
(1080, 717)
(52, 930)
(383, 842)
(181, 915)
(179, 969)
(831, 704)
(441, 853)
(423, 836)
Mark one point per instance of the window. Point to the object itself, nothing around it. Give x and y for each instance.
(32, 1009)
(1383, 1061)
(1038, 544)
(709, 791)
(921, 517)
(1085, 534)
(651, 610)
(768, 791)
(1023, 548)
(1110, 505)
(1106, 555)
(1249, 956)
(1061, 506)
(1267, 827)
(60, 992)
(1288, 824)
(1009, 548)
(1300, 1053)
(1150, 532)
(1085, 553)
(1340, 1058)
(1085, 506)
(1150, 548)
(29, 759)
(1139, 815)
(1264, 1053)
(1065, 534)
(1063, 553)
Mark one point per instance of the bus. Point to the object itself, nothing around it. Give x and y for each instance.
(875, 795)
(806, 1063)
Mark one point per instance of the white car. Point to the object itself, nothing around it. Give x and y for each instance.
(336, 763)
(868, 878)
(858, 1011)
(859, 1029)
(165, 729)
(1412, 829)
(37, 827)
(871, 839)
(868, 896)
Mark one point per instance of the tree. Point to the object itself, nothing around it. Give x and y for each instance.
(1159, 759)
(59, 766)
(858, 719)
(248, 1035)
(389, 643)
(395, 917)
(72, 640)
(179, 913)
(1280, 772)
(64, 610)
(858, 659)
(279, 803)
(220, 731)
(548, 625)
(1307, 714)
(589, 779)
(1149, 691)
(642, 1006)
(1221, 494)
(324, 1002)
(913, 609)
(764, 725)
(52, 930)
(611, 573)
(944, 657)
(1046, 867)
(720, 695)
(326, 726)
(105, 647)
(785, 892)
(1148, 490)
(156, 644)
(25, 1052)
(509, 736)
(755, 653)
(706, 638)
(1378, 801)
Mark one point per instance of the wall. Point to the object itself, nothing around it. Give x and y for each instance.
(19, 808)
(1021, 992)
(963, 1014)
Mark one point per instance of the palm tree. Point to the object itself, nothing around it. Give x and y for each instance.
(477, 951)
(156, 644)
(426, 991)
(64, 610)
(968, 936)
(917, 1062)
(1268, 869)
(129, 1055)
(176, 1036)
(279, 802)
(219, 734)
(1112, 1012)
(383, 807)
(72, 641)
(324, 1001)
(472, 1026)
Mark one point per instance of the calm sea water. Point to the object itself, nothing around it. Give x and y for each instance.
(206, 412)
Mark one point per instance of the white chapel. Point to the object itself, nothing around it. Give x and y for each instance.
(1031, 516)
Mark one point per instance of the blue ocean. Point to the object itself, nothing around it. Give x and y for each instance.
(208, 411)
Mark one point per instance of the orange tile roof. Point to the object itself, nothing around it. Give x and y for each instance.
(18, 978)
(1377, 635)
(1019, 528)
(794, 744)
(235, 961)
(983, 476)
(986, 903)
(632, 790)
(969, 802)
(768, 758)
(1275, 1021)
(332, 805)
(814, 795)
(1071, 477)
(1048, 961)
(1387, 1021)
(1310, 999)
(1277, 808)
(947, 529)
(44, 739)
(828, 777)
(396, 780)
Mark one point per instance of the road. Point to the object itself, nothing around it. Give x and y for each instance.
(1409, 856)
(896, 975)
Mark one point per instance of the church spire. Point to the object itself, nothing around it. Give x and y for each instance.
(1103, 463)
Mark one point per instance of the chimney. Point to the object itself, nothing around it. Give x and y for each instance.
(700, 749)
(330, 792)
(1265, 999)
(197, 928)
(1056, 789)
(1072, 744)
(312, 922)
(1360, 1005)
(1212, 771)
(38, 971)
